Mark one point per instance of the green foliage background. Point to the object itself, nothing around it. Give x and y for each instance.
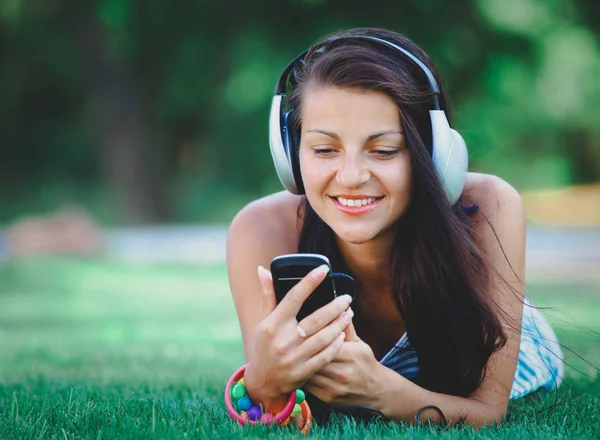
(157, 110)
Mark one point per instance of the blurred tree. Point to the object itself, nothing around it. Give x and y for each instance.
(166, 103)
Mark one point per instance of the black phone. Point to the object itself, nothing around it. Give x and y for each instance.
(289, 269)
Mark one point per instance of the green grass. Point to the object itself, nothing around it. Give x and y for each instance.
(105, 350)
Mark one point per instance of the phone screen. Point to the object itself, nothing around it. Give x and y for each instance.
(288, 272)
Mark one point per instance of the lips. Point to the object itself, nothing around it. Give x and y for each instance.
(355, 205)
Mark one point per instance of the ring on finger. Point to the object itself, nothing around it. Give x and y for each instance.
(301, 332)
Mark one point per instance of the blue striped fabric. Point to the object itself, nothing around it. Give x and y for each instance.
(540, 364)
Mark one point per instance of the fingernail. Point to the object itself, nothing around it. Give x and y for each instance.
(346, 298)
(323, 268)
(261, 270)
(347, 316)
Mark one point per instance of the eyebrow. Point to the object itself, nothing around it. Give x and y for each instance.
(370, 138)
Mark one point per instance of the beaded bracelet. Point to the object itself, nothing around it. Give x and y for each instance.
(237, 399)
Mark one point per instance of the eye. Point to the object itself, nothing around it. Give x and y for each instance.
(323, 151)
(386, 153)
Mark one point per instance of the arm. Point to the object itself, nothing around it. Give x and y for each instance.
(504, 249)
(256, 235)
(356, 378)
(280, 359)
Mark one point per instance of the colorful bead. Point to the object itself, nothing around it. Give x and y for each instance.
(239, 390)
(237, 400)
(244, 403)
(296, 411)
(254, 413)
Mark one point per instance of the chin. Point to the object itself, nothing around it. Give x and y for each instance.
(355, 237)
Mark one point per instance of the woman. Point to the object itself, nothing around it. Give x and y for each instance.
(436, 325)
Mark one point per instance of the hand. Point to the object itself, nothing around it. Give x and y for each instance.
(282, 360)
(352, 377)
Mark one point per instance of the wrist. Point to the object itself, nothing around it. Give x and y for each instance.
(264, 393)
(386, 390)
(244, 410)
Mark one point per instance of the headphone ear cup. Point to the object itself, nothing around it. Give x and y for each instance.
(281, 146)
(449, 155)
(456, 171)
(293, 144)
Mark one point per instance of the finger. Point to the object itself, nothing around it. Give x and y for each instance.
(350, 331)
(318, 380)
(325, 315)
(324, 337)
(293, 300)
(268, 302)
(331, 371)
(324, 357)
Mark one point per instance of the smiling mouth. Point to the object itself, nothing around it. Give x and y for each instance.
(356, 206)
(357, 202)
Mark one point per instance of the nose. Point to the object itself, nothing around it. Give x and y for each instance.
(353, 171)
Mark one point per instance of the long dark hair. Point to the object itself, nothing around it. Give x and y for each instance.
(438, 275)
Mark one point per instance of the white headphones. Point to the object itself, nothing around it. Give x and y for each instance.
(449, 152)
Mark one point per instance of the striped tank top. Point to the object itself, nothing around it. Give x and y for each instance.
(540, 364)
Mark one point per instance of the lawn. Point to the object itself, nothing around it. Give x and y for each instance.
(97, 350)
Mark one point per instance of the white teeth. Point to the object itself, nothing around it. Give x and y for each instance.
(356, 202)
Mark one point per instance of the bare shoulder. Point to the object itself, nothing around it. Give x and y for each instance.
(500, 221)
(268, 224)
(500, 224)
(496, 198)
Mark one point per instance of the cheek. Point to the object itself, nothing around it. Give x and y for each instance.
(312, 171)
(407, 181)
(315, 181)
(403, 182)
(406, 171)
(304, 168)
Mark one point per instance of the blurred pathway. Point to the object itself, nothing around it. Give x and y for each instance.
(563, 254)
(553, 254)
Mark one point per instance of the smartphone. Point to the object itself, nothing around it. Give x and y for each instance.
(289, 269)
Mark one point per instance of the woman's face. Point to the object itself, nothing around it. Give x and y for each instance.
(354, 161)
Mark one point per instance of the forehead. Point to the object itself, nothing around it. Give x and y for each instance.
(334, 107)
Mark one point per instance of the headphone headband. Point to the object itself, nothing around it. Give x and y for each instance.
(280, 86)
